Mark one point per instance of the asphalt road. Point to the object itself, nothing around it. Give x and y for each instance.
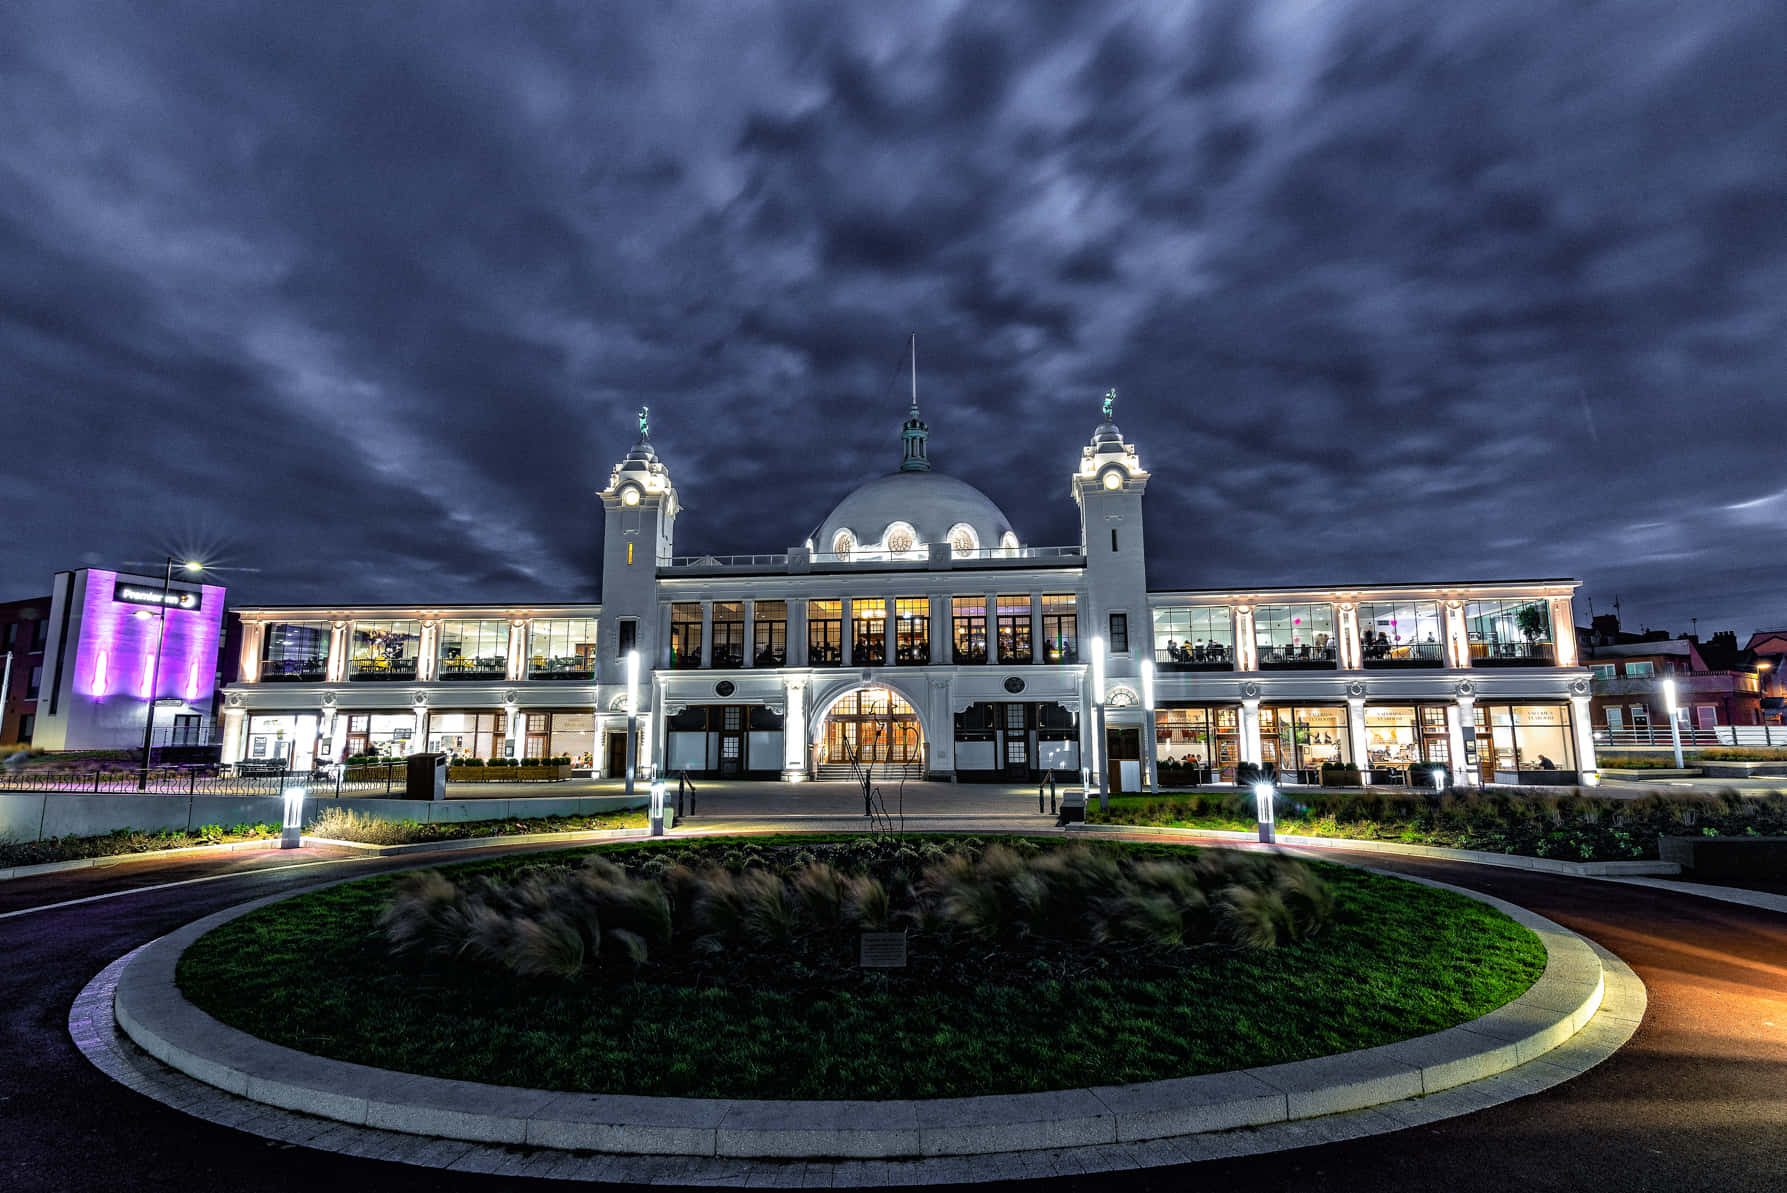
(1697, 1100)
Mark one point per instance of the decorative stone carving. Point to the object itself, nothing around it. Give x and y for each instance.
(1579, 687)
(1250, 690)
(329, 699)
(1465, 687)
(234, 700)
(513, 697)
(419, 699)
(1356, 689)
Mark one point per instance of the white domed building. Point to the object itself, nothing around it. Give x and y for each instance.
(918, 631)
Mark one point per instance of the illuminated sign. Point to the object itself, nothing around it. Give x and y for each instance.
(126, 593)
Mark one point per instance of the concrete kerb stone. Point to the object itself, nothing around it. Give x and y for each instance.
(150, 1010)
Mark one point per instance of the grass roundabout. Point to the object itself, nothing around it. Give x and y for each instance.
(728, 968)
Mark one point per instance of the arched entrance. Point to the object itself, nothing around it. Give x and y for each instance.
(872, 725)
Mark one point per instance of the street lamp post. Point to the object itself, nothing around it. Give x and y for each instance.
(632, 716)
(1099, 761)
(161, 631)
(1675, 727)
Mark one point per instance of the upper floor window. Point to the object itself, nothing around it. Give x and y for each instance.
(474, 649)
(8, 635)
(1060, 628)
(34, 684)
(295, 651)
(564, 648)
(1199, 635)
(912, 630)
(1504, 631)
(1601, 670)
(969, 636)
(685, 634)
(1119, 633)
(769, 633)
(902, 539)
(1641, 667)
(729, 634)
(628, 638)
(1014, 628)
(868, 632)
(962, 539)
(1295, 635)
(385, 649)
(842, 544)
(1400, 632)
(40, 635)
(825, 633)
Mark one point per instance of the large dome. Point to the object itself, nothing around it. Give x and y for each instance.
(933, 507)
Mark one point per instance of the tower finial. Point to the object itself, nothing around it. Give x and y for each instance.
(915, 433)
(645, 422)
(1110, 401)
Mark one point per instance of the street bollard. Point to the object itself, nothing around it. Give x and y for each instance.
(657, 808)
(1262, 798)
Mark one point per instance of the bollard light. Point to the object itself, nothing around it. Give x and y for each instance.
(1262, 801)
(1439, 778)
(291, 834)
(657, 811)
(1675, 724)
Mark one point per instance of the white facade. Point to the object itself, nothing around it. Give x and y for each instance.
(916, 588)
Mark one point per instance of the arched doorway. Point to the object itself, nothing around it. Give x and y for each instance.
(872, 725)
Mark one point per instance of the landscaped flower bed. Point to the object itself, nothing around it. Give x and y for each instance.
(344, 824)
(730, 968)
(1497, 820)
(127, 841)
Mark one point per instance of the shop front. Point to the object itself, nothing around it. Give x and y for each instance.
(1525, 743)
(562, 733)
(724, 741)
(1197, 743)
(1297, 740)
(1400, 739)
(1016, 741)
(385, 734)
(285, 739)
(467, 734)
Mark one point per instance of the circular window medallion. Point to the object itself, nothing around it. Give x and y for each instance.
(724, 688)
(1122, 697)
(1014, 684)
(901, 538)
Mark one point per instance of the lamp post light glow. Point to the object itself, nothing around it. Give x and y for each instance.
(1262, 802)
(291, 834)
(1098, 744)
(657, 808)
(632, 717)
(154, 677)
(1148, 742)
(1675, 725)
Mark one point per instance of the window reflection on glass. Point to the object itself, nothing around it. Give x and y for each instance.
(295, 650)
(473, 649)
(385, 649)
(1193, 635)
(1400, 632)
(562, 648)
(1504, 630)
(1060, 628)
(1288, 635)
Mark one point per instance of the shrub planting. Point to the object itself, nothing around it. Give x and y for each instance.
(345, 824)
(126, 841)
(1573, 827)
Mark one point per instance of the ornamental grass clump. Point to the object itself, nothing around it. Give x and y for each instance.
(971, 912)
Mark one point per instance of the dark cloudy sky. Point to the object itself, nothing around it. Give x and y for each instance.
(364, 296)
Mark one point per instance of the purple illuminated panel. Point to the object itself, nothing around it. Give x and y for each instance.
(117, 647)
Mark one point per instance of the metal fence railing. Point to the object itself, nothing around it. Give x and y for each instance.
(1693, 735)
(247, 779)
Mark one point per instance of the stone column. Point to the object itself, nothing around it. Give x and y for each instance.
(1250, 729)
(942, 637)
(419, 739)
(1150, 746)
(659, 728)
(1088, 721)
(337, 669)
(1355, 729)
(1247, 656)
(234, 724)
(847, 618)
(1458, 647)
(1464, 714)
(518, 629)
(941, 741)
(750, 647)
(993, 633)
(797, 632)
(1455, 714)
(889, 636)
(326, 730)
(794, 732)
(1563, 631)
(1351, 658)
(512, 736)
(1037, 653)
(707, 635)
(427, 651)
(1586, 765)
(252, 634)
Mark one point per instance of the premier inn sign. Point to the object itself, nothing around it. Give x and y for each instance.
(127, 593)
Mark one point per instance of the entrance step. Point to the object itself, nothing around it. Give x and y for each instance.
(842, 772)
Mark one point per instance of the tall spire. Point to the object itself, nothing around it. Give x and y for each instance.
(914, 434)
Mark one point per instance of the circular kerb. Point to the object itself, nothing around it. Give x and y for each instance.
(1532, 1042)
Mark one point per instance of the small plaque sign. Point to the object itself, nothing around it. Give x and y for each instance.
(883, 950)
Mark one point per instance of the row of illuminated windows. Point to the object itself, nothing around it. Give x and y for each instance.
(1389, 632)
(857, 632)
(557, 648)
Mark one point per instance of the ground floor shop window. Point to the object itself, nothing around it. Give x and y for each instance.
(386, 735)
(1524, 738)
(1204, 739)
(284, 739)
(463, 735)
(1301, 739)
(1403, 735)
